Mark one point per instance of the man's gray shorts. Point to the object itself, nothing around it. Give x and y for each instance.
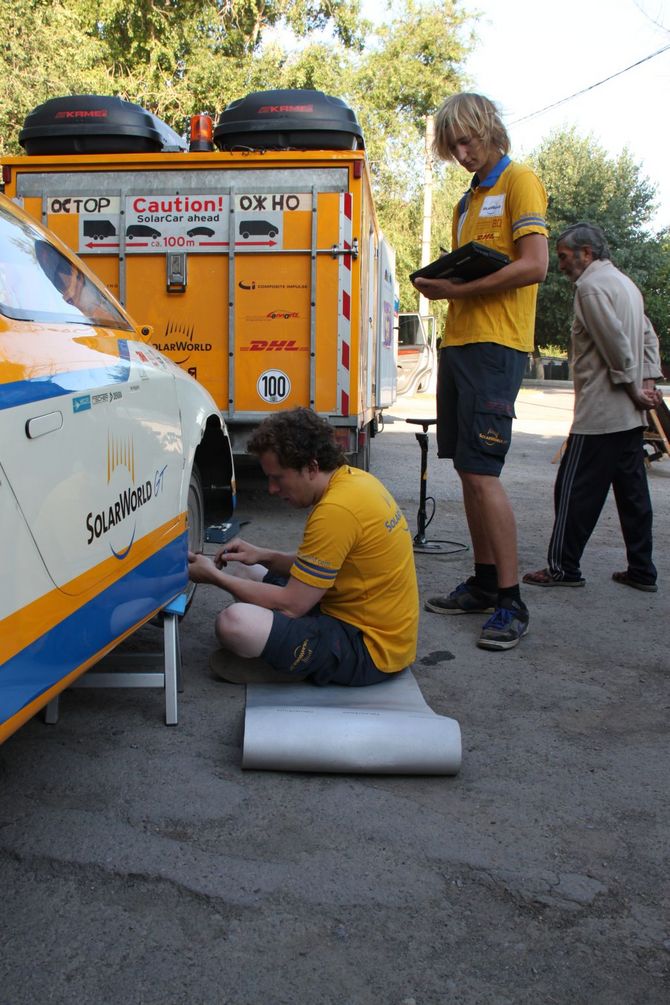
(477, 385)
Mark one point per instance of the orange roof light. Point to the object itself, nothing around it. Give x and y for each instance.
(201, 132)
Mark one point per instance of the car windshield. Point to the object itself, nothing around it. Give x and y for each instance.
(38, 282)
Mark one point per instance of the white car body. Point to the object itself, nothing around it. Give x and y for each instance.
(100, 493)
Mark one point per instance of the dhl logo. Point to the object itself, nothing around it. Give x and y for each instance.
(273, 345)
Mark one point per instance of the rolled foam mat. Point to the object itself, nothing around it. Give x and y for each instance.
(385, 728)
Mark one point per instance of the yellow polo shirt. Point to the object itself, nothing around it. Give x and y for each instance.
(357, 546)
(510, 203)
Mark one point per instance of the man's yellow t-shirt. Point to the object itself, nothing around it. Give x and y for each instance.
(357, 546)
(508, 204)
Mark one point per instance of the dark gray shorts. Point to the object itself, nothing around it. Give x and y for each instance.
(318, 647)
(477, 385)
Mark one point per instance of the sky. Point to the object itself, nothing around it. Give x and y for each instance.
(531, 54)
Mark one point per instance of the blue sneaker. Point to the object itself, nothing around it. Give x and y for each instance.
(505, 628)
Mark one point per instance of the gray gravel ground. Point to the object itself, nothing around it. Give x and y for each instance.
(139, 864)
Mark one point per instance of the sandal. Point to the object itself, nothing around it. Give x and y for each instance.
(544, 578)
(627, 580)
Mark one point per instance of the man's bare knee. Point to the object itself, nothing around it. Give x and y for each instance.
(244, 628)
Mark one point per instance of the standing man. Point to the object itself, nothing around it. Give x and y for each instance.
(345, 607)
(484, 350)
(615, 360)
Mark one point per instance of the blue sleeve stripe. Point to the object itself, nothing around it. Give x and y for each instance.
(317, 571)
(529, 221)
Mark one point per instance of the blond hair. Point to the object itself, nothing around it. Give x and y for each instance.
(468, 115)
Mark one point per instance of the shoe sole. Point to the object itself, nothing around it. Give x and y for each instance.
(457, 610)
(556, 582)
(645, 587)
(500, 646)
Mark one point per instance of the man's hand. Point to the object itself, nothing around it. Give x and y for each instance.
(201, 569)
(649, 386)
(642, 398)
(439, 289)
(238, 550)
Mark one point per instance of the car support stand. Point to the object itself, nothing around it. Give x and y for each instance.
(421, 543)
(116, 669)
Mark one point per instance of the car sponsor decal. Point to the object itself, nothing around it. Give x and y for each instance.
(81, 403)
(128, 493)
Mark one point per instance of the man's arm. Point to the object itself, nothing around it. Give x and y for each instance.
(237, 550)
(293, 600)
(526, 270)
(652, 356)
(598, 316)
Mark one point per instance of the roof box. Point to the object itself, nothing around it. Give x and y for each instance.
(283, 120)
(95, 124)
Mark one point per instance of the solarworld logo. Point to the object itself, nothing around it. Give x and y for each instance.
(116, 520)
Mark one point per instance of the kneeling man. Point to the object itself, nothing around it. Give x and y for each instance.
(344, 608)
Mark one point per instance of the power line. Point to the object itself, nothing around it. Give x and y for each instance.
(546, 108)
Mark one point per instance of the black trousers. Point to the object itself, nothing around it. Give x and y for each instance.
(590, 465)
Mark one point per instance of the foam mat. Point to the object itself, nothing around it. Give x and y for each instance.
(386, 728)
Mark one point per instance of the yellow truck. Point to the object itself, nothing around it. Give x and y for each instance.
(252, 255)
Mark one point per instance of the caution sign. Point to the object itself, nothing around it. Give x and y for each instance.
(197, 223)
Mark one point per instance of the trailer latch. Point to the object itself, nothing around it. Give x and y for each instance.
(353, 250)
(176, 271)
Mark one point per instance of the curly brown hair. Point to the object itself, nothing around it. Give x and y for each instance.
(297, 436)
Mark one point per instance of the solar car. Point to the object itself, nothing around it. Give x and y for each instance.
(112, 459)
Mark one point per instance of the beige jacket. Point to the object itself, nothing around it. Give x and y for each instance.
(612, 344)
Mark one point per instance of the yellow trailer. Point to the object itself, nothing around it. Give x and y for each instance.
(254, 261)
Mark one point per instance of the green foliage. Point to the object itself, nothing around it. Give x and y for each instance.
(584, 183)
(173, 57)
(176, 57)
(40, 38)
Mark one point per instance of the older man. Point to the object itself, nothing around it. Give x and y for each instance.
(344, 608)
(615, 359)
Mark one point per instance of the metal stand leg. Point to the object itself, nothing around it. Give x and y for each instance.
(51, 712)
(421, 543)
(172, 666)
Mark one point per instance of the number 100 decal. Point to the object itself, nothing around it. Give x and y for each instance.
(273, 386)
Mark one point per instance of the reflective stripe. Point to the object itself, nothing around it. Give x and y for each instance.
(571, 462)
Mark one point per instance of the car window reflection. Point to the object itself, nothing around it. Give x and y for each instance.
(39, 283)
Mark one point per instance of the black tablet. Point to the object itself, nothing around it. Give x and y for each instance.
(472, 261)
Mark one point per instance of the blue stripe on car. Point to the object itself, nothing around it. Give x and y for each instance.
(25, 392)
(81, 635)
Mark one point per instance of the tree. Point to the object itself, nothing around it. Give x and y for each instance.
(176, 57)
(173, 57)
(39, 39)
(584, 183)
